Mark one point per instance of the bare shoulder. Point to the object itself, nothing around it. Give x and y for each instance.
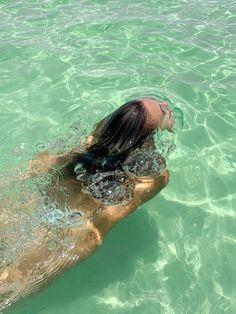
(44, 161)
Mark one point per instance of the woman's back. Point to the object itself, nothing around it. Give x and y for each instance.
(84, 196)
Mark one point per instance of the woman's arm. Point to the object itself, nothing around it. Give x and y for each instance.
(145, 189)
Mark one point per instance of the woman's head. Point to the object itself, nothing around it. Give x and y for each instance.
(129, 125)
(124, 130)
(159, 115)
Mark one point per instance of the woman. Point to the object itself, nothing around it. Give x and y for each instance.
(88, 193)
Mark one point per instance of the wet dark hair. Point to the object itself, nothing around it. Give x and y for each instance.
(115, 137)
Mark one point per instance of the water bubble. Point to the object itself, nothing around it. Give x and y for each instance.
(144, 163)
(40, 147)
(165, 142)
(178, 118)
(113, 187)
(80, 172)
(58, 218)
(54, 145)
(167, 147)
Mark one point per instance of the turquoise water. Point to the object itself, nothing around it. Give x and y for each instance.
(66, 63)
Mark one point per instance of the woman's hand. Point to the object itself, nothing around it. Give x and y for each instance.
(165, 175)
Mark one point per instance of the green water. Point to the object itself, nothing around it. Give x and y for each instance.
(72, 62)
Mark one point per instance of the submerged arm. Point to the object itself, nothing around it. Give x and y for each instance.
(145, 189)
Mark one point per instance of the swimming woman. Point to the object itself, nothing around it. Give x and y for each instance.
(88, 193)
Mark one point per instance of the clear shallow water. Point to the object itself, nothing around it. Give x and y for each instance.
(71, 62)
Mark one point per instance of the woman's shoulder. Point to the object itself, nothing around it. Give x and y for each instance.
(44, 162)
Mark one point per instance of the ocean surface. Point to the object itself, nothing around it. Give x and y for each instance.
(65, 64)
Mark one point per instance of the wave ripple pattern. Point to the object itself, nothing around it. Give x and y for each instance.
(68, 63)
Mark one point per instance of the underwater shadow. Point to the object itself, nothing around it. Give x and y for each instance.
(133, 238)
